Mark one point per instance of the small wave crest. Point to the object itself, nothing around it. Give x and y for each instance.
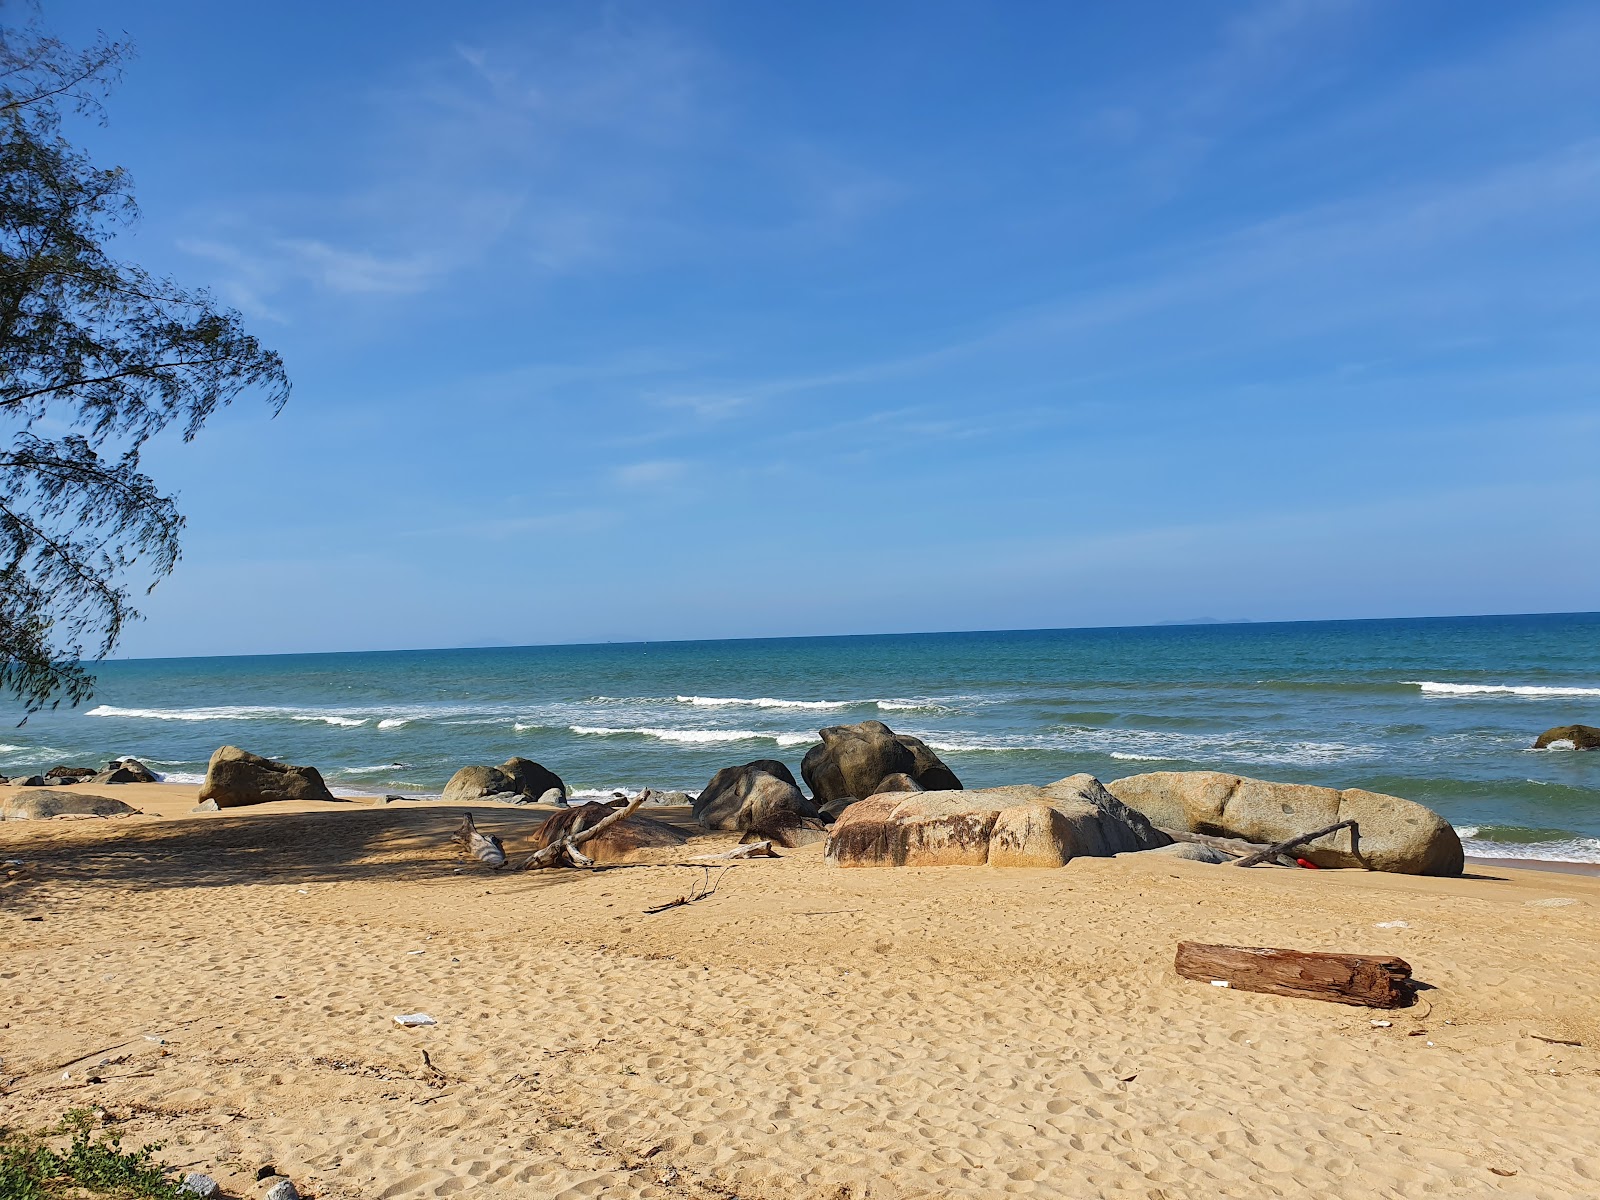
(759, 702)
(697, 736)
(1431, 688)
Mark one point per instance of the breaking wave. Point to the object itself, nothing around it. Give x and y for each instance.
(1430, 688)
(760, 702)
(235, 712)
(1540, 845)
(697, 736)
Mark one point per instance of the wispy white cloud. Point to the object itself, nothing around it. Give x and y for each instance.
(650, 474)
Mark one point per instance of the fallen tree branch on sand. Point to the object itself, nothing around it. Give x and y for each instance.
(1364, 979)
(1250, 854)
(487, 849)
(565, 852)
(1270, 853)
(1237, 847)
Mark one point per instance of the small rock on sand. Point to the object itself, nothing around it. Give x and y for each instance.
(197, 1184)
(282, 1190)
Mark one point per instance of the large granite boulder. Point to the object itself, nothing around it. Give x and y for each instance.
(762, 800)
(1019, 826)
(625, 841)
(235, 778)
(521, 779)
(1395, 835)
(1569, 737)
(720, 801)
(853, 760)
(47, 803)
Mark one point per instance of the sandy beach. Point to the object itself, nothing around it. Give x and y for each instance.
(227, 983)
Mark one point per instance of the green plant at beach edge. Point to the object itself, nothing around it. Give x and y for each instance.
(93, 1165)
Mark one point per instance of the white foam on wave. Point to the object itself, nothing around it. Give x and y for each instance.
(760, 702)
(1430, 688)
(910, 706)
(194, 777)
(230, 712)
(1577, 850)
(1154, 745)
(697, 736)
(394, 723)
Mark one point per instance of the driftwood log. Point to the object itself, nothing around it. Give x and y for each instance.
(1365, 979)
(1237, 847)
(486, 849)
(1282, 848)
(566, 853)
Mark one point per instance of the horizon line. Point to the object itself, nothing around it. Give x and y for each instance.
(1190, 623)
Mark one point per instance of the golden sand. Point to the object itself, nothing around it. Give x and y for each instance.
(805, 1032)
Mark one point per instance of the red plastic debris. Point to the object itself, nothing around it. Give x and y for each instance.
(1308, 864)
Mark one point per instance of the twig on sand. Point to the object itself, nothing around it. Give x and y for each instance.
(707, 889)
(1273, 851)
(566, 850)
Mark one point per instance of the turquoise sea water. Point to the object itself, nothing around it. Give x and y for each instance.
(1442, 710)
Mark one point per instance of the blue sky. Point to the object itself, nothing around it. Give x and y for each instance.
(642, 321)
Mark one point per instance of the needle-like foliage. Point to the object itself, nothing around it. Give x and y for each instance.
(97, 356)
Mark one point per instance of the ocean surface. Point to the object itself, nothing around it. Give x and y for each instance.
(1440, 710)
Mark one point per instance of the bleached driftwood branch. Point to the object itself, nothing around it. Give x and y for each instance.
(486, 849)
(749, 850)
(1271, 852)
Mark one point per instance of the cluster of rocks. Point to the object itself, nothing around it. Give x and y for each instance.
(881, 798)
(761, 799)
(518, 780)
(122, 770)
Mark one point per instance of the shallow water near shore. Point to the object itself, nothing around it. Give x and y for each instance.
(1440, 710)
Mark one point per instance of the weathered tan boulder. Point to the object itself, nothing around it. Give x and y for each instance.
(1395, 835)
(235, 778)
(1569, 737)
(755, 800)
(853, 760)
(624, 841)
(719, 803)
(1019, 826)
(518, 778)
(47, 803)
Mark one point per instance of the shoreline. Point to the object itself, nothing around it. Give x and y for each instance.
(175, 800)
